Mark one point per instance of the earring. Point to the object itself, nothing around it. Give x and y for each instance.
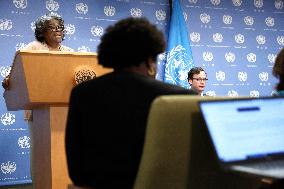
(151, 71)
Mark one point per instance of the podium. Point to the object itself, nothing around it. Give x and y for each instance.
(41, 81)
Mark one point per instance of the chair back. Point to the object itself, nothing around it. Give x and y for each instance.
(177, 152)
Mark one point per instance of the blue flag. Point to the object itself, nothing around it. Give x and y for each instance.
(178, 55)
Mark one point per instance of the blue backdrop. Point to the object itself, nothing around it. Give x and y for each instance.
(235, 41)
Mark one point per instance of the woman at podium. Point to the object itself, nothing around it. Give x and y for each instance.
(49, 33)
(107, 115)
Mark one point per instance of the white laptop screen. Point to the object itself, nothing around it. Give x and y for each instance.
(245, 128)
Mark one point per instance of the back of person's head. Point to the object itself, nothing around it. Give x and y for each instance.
(130, 42)
(41, 25)
(278, 70)
(194, 70)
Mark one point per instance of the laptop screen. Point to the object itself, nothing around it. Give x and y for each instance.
(243, 129)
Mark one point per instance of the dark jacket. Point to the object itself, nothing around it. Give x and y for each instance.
(106, 126)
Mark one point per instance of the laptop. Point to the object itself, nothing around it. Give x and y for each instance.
(247, 134)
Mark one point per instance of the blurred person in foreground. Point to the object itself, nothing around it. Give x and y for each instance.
(197, 78)
(107, 115)
(278, 72)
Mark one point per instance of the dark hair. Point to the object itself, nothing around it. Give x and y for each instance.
(130, 42)
(278, 70)
(42, 23)
(194, 70)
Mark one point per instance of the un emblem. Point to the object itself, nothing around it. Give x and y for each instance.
(227, 19)
(239, 38)
(215, 2)
(136, 12)
(192, 1)
(217, 37)
(278, 4)
(205, 18)
(5, 24)
(211, 93)
(195, 36)
(52, 5)
(20, 46)
(5, 70)
(248, 20)
(161, 15)
(251, 57)
(82, 8)
(220, 76)
(8, 119)
(84, 74)
(254, 93)
(271, 58)
(263, 76)
(269, 21)
(230, 57)
(237, 3)
(70, 29)
(97, 31)
(109, 10)
(280, 40)
(207, 56)
(242, 76)
(258, 3)
(260, 39)
(178, 64)
(8, 167)
(84, 49)
(233, 93)
(20, 4)
(24, 142)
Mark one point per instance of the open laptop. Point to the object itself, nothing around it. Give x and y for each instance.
(247, 134)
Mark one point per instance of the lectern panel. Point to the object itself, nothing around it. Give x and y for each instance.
(45, 77)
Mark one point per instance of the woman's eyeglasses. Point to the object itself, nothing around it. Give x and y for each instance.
(200, 79)
(57, 28)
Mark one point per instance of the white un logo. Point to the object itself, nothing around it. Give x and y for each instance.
(8, 167)
(20, 4)
(8, 119)
(109, 10)
(82, 8)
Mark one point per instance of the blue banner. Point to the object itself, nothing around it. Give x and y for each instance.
(178, 56)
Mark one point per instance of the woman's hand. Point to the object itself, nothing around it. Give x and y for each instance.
(6, 83)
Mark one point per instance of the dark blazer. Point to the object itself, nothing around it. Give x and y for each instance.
(106, 126)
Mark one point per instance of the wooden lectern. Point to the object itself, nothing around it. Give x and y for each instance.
(42, 81)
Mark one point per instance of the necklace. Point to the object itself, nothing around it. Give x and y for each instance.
(59, 48)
